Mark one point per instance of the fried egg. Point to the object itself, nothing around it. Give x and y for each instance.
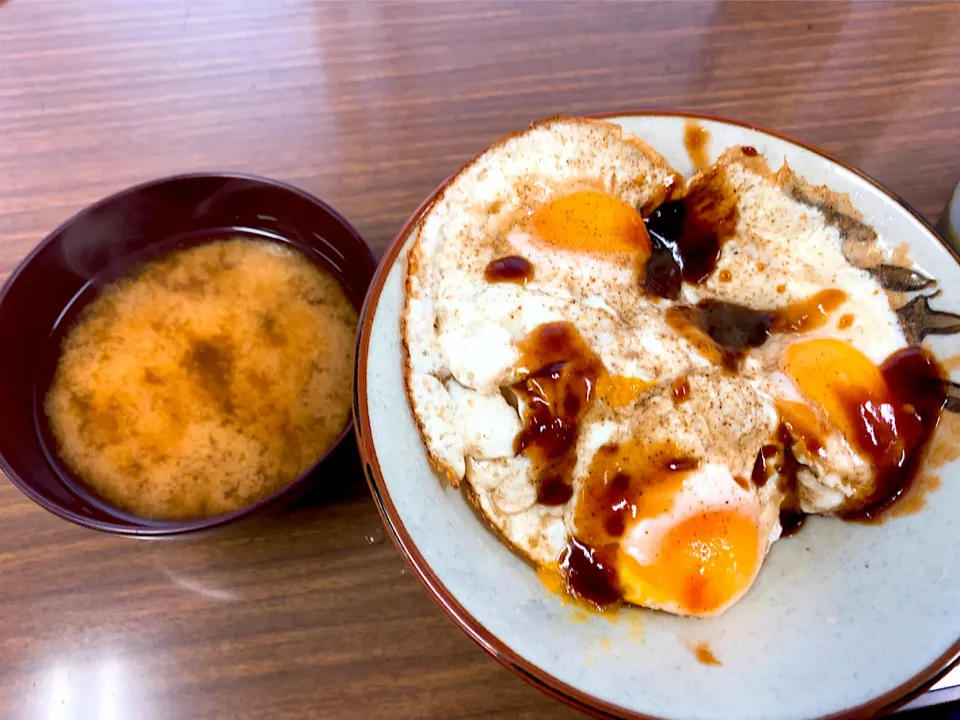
(668, 493)
(566, 192)
(783, 253)
(640, 445)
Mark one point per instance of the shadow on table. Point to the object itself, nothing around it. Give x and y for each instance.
(340, 478)
(948, 711)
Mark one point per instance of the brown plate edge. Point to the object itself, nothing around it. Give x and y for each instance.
(568, 694)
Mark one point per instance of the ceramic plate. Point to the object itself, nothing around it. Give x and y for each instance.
(844, 619)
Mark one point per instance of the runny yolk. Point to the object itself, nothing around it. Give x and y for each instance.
(886, 413)
(803, 425)
(696, 562)
(704, 562)
(847, 386)
(594, 222)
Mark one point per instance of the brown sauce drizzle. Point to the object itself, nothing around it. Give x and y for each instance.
(561, 373)
(802, 425)
(624, 482)
(787, 466)
(723, 331)
(512, 269)
(765, 465)
(845, 321)
(916, 393)
(778, 457)
(807, 314)
(591, 573)
(695, 139)
(915, 498)
(554, 490)
(791, 522)
(686, 235)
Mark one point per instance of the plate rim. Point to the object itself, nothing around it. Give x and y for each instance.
(493, 645)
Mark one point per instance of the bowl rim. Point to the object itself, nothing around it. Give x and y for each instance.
(176, 528)
(566, 693)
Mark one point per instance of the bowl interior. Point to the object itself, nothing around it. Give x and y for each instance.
(842, 615)
(68, 270)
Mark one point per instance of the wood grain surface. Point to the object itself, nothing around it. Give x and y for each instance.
(368, 105)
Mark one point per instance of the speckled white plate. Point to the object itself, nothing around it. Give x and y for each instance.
(844, 618)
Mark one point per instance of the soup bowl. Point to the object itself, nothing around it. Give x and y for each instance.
(69, 267)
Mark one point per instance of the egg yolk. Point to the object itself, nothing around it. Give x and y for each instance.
(618, 391)
(844, 383)
(803, 425)
(594, 222)
(704, 562)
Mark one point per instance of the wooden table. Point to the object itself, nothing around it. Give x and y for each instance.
(311, 614)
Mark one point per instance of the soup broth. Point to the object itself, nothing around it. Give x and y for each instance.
(204, 381)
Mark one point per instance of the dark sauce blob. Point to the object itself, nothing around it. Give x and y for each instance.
(721, 331)
(686, 235)
(787, 465)
(791, 522)
(749, 151)
(591, 573)
(561, 373)
(732, 329)
(916, 394)
(617, 500)
(764, 465)
(663, 275)
(554, 490)
(512, 268)
(779, 458)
